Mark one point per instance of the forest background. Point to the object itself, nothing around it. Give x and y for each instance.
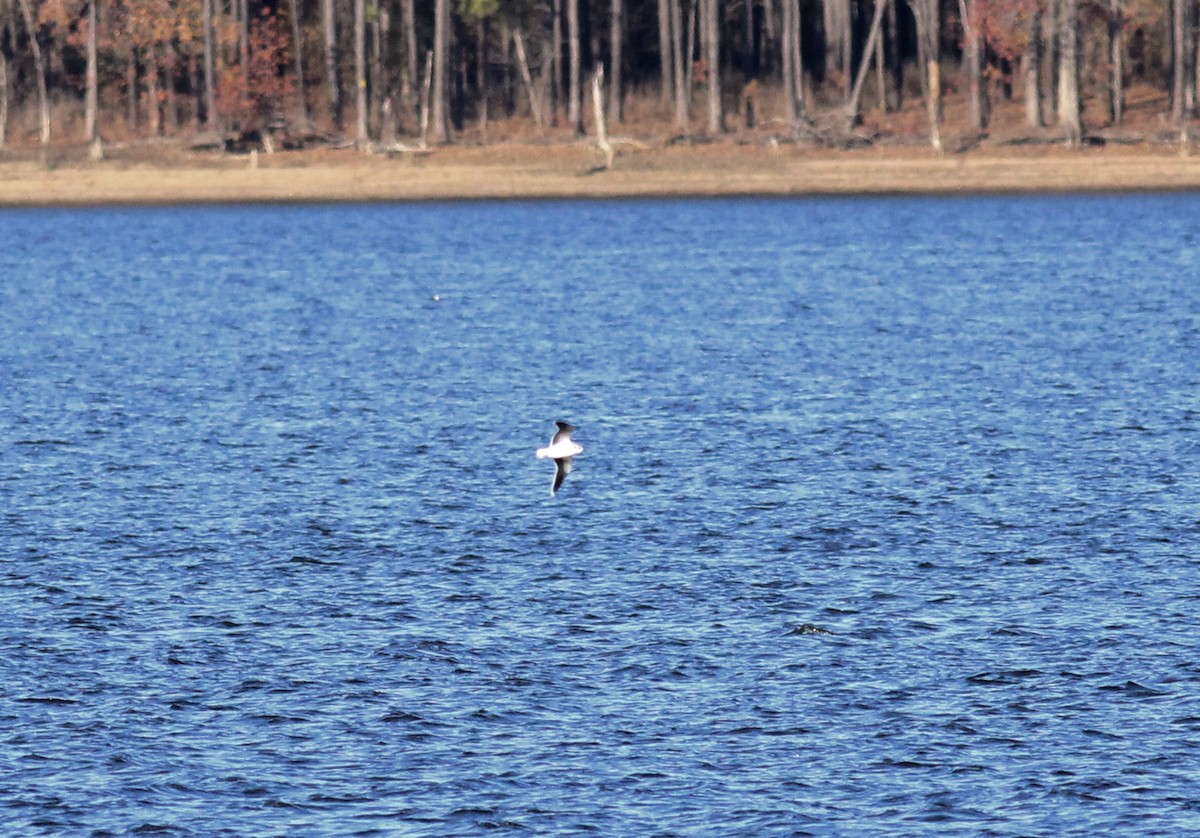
(837, 73)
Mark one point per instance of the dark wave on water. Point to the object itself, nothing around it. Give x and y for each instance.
(886, 521)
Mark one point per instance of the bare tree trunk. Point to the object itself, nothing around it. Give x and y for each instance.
(798, 86)
(535, 100)
(441, 69)
(170, 71)
(3, 100)
(1069, 116)
(408, 70)
(934, 105)
(928, 21)
(426, 86)
(298, 50)
(750, 60)
(383, 81)
(574, 108)
(973, 64)
(854, 105)
(557, 84)
(153, 91)
(1178, 60)
(894, 59)
(1192, 68)
(360, 75)
(380, 79)
(243, 15)
(838, 24)
(333, 82)
(1116, 60)
(1031, 69)
(1187, 58)
(710, 27)
(210, 110)
(481, 76)
(91, 92)
(507, 93)
(602, 142)
(40, 70)
(1051, 47)
(787, 40)
(616, 39)
(1193, 74)
(689, 52)
(682, 91)
(797, 60)
(881, 64)
(664, 50)
(131, 90)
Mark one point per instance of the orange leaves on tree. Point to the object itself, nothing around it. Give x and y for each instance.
(1001, 25)
(255, 96)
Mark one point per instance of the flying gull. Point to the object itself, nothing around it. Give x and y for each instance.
(561, 449)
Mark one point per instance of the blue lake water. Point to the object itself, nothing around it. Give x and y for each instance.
(888, 520)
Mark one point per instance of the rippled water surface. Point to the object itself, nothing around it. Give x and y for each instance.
(887, 521)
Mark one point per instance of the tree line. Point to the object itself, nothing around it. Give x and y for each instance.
(371, 70)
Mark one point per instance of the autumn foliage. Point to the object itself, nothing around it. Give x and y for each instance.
(519, 60)
(253, 98)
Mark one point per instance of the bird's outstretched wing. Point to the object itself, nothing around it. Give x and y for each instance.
(562, 467)
(564, 432)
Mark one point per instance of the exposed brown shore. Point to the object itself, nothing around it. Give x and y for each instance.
(519, 170)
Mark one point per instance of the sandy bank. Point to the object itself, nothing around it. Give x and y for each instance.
(569, 171)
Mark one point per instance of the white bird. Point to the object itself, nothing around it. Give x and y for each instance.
(561, 449)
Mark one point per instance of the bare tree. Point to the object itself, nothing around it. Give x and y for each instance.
(333, 82)
(481, 75)
(556, 65)
(683, 93)
(602, 141)
(206, 23)
(1051, 45)
(616, 38)
(1116, 60)
(298, 58)
(1179, 26)
(40, 71)
(977, 97)
(1069, 112)
(664, 50)
(536, 108)
(242, 12)
(710, 44)
(1031, 70)
(574, 108)
(854, 104)
(793, 69)
(895, 60)
(408, 70)
(91, 91)
(131, 88)
(441, 70)
(838, 21)
(3, 99)
(153, 97)
(360, 74)
(928, 19)
(426, 87)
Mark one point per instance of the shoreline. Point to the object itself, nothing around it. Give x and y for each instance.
(569, 171)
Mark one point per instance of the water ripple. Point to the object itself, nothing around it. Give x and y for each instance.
(880, 527)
